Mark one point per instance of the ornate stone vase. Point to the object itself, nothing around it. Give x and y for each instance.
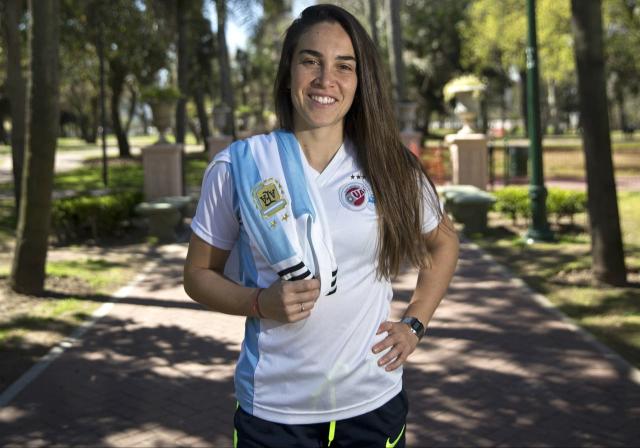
(162, 114)
(466, 90)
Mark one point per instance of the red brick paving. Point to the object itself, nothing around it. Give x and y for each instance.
(496, 369)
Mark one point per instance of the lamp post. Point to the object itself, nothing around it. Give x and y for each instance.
(539, 227)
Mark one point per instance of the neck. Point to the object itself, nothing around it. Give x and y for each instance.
(320, 145)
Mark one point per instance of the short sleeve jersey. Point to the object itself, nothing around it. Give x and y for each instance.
(322, 368)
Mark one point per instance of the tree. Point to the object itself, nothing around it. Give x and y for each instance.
(494, 44)
(182, 16)
(136, 44)
(12, 12)
(604, 221)
(263, 54)
(622, 40)
(431, 33)
(225, 67)
(28, 270)
(396, 59)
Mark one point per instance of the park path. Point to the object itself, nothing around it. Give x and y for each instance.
(498, 367)
(68, 160)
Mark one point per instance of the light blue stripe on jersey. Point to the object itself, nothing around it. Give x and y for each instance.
(294, 173)
(272, 241)
(247, 363)
(246, 367)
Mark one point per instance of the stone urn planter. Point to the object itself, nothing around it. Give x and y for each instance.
(466, 90)
(162, 102)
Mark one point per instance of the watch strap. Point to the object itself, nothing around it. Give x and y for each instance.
(415, 325)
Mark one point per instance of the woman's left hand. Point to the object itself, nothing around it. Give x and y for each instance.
(400, 339)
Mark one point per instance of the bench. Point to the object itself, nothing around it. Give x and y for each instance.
(468, 205)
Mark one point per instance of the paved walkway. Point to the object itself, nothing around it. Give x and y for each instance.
(497, 368)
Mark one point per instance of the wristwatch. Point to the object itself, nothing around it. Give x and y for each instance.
(415, 326)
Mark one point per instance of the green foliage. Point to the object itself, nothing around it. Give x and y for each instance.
(495, 35)
(83, 217)
(514, 202)
(565, 203)
(431, 32)
(155, 93)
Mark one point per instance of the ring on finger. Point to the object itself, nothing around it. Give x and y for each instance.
(301, 307)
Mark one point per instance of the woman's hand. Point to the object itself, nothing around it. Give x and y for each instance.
(289, 301)
(400, 339)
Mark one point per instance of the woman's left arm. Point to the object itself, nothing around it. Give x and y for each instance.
(431, 287)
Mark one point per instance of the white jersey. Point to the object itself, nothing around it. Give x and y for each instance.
(322, 368)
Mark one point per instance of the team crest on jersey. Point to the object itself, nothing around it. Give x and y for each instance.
(268, 196)
(355, 196)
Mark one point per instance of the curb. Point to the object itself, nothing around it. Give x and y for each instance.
(41, 365)
(607, 352)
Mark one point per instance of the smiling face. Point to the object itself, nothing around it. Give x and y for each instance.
(323, 78)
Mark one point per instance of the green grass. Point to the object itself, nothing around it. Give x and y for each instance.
(561, 271)
(123, 175)
(59, 316)
(101, 275)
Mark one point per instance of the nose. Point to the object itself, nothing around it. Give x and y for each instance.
(325, 77)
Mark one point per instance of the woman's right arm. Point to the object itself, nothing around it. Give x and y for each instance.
(205, 283)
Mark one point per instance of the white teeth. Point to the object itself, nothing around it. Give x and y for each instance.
(323, 99)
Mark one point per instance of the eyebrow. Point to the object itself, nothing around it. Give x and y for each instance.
(319, 55)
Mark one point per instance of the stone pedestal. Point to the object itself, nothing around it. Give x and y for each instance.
(413, 141)
(218, 143)
(163, 219)
(469, 159)
(162, 167)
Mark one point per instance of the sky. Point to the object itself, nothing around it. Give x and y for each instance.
(237, 33)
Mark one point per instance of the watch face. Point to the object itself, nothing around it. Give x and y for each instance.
(415, 325)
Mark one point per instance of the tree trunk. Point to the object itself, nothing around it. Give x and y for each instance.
(183, 69)
(29, 261)
(132, 108)
(202, 118)
(93, 132)
(225, 68)
(606, 240)
(624, 126)
(117, 84)
(395, 51)
(16, 89)
(373, 22)
(553, 107)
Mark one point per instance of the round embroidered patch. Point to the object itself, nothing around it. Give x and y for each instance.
(354, 196)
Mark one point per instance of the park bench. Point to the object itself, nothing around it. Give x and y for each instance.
(468, 205)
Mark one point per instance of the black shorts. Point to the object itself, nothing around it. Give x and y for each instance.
(383, 427)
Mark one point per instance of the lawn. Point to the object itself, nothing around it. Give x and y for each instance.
(561, 271)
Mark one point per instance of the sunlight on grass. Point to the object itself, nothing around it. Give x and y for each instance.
(100, 274)
(50, 319)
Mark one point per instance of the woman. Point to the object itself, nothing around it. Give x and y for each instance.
(321, 364)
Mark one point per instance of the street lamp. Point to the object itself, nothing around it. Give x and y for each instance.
(539, 227)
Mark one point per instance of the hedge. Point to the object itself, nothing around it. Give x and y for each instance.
(515, 203)
(82, 217)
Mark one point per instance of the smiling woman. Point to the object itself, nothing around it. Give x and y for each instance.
(301, 231)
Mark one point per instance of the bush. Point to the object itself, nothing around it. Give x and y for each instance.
(83, 217)
(514, 202)
(565, 203)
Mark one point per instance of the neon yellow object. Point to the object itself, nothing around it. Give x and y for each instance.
(395, 442)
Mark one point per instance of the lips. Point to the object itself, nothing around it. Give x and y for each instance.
(323, 99)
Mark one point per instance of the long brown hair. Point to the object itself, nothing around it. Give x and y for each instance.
(395, 175)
